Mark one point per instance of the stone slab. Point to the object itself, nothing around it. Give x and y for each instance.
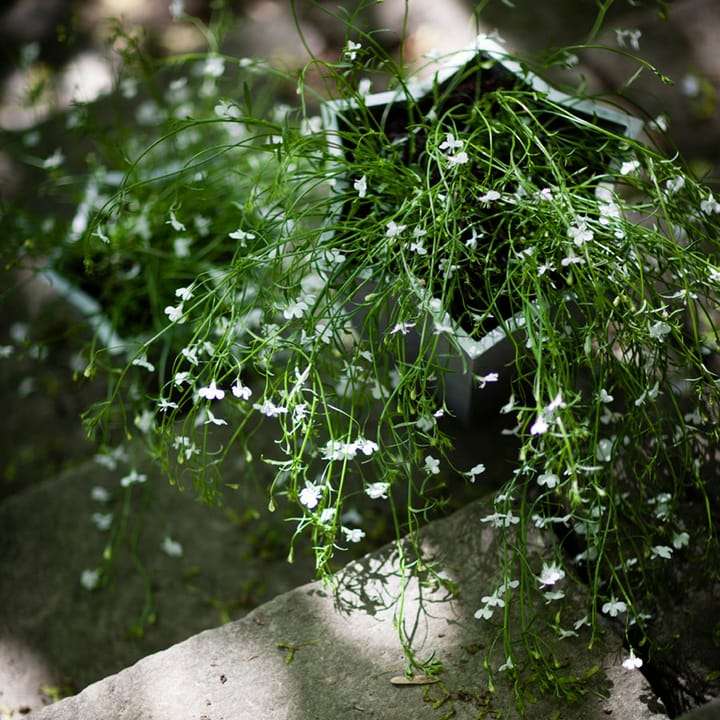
(320, 652)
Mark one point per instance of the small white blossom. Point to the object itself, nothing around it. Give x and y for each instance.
(240, 391)
(674, 185)
(184, 293)
(630, 167)
(142, 361)
(580, 233)
(605, 397)
(171, 547)
(604, 450)
(553, 595)
(630, 35)
(361, 186)
(181, 378)
(377, 490)
(214, 67)
(241, 236)
(659, 329)
(540, 426)
(402, 327)
(102, 521)
(145, 421)
(450, 143)
(54, 161)
(483, 380)
(632, 662)
(175, 313)
(310, 495)
(351, 50)
(177, 226)
(432, 465)
(269, 409)
(133, 478)
(90, 579)
(100, 494)
(210, 418)
(614, 607)
(353, 535)
(489, 197)
(211, 392)
(163, 404)
(549, 480)
(460, 159)
(661, 551)
(710, 206)
(295, 310)
(680, 540)
(181, 247)
(474, 471)
(550, 574)
(393, 229)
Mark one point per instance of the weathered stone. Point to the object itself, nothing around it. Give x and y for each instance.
(320, 653)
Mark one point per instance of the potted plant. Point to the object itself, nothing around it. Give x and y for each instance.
(479, 229)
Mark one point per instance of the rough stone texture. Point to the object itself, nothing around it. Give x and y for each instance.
(316, 653)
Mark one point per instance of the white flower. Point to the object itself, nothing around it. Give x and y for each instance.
(176, 224)
(711, 205)
(545, 194)
(550, 480)
(210, 418)
(540, 426)
(450, 143)
(489, 197)
(393, 229)
(214, 67)
(405, 327)
(190, 354)
(175, 313)
(632, 663)
(211, 392)
(181, 247)
(361, 186)
(662, 551)
(674, 185)
(102, 521)
(242, 236)
(432, 465)
(351, 50)
(184, 293)
(680, 540)
(659, 329)
(614, 607)
(269, 409)
(142, 361)
(377, 490)
(133, 478)
(241, 391)
(605, 397)
(90, 579)
(54, 161)
(507, 665)
(484, 613)
(553, 595)
(180, 378)
(310, 495)
(630, 35)
(474, 471)
(418, 247)
(100, 494)
(366, 447)
(550, 574)
(483, 380)
(580, 233)
(630, 167)
(295, 310)
(171, 547)
(353, 535)
(164, 405)
(460, 159)
(327, 516)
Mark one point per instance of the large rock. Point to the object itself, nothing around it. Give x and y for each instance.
(318, 652)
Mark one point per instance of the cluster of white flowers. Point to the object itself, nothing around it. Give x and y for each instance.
(452, 148)
(340, 450)
(495, 600)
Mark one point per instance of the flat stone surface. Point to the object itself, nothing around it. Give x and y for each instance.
(320, 653)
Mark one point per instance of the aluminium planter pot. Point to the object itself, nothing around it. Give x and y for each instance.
(481, 68)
